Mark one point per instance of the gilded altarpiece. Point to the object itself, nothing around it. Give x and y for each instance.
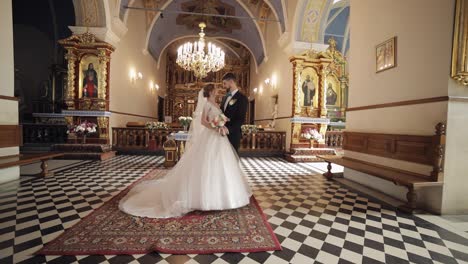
(183, 86)
(87, 91)
(320, 85)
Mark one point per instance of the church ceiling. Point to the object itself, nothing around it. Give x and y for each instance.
(213, 24)
(172, 25)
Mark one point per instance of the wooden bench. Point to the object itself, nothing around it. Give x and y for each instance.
(24, 159)
(427, 150)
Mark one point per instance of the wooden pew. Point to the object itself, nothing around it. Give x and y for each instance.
(24, 159)
(427, 150)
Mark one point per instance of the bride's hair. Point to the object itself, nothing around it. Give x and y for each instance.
(207, 90)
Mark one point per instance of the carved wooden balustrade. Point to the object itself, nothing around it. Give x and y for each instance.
(44, 133)
(334, 139)
(142, 140)
(136, 139)
(263, 143)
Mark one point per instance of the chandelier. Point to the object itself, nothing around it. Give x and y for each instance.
(199, 58)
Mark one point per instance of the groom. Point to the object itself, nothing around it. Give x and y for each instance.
(234, 106)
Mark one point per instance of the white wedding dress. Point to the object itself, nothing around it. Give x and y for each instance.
(207, 177)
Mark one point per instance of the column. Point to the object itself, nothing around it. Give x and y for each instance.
(9, 128)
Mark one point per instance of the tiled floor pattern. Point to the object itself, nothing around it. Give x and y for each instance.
(316, 221)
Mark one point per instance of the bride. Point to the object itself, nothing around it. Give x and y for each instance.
(207, 177)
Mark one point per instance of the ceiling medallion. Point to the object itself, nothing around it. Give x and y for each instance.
(199, 58)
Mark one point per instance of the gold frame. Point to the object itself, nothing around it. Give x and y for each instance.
(459, 70)
(384, 43)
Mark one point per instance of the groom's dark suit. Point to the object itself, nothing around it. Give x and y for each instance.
(236, 111)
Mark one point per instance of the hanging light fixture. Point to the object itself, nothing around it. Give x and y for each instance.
(200, 58)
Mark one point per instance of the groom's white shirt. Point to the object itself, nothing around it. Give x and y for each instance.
(229, 99)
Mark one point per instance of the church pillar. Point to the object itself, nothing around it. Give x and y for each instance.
(10, 131)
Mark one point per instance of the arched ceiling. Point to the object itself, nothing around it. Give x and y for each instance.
(248, 32)
(319, 20)
(338, 25)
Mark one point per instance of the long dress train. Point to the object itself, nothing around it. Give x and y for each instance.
(207, 177)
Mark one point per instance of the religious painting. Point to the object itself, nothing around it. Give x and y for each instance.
(89, 80)
(332, 91)
(309, 88)
(213, 23)
(386, 55)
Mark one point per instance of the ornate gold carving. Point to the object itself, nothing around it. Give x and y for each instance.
(103, 60)
(296, 133)
(87, 38)
(460, 39)
(103, 123)
(319, 66)
(70, 56)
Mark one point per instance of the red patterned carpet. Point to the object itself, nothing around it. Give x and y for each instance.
(109, 231)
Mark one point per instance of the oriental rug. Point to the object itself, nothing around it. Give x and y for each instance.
(108, 231)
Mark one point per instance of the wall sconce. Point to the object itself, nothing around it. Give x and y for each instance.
(135, 76)
(255, 90)
(274, 81)
(271, 82)
(153, 87)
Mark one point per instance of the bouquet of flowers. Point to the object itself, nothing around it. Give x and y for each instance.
(248, 129)
(83, 129)
(218, 123)
(311, 134)
(185, 121)
(155, 125)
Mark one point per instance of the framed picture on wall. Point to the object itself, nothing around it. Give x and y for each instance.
(385, 55)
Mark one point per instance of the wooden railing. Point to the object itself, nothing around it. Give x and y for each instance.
(263, 143)
(44, 133)
(334, 139)
(128, 140)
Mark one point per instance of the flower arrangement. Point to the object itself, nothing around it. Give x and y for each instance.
(219, 123)
(84, 128)
(156, 125)
(185, 121)
(248, 129)
(310, 133)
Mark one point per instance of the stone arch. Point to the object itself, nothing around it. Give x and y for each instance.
(92, 13)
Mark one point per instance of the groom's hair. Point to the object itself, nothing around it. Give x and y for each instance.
(229, 76)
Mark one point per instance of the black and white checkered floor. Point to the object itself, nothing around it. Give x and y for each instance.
(315, 220)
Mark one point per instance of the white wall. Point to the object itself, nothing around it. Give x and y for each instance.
(454, 199)
(8, 108)
(125, 96)
(276, 65)
(424, 36)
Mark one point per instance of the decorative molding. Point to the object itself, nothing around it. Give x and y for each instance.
(300, 47)
(458, 99)
(300, 120)
(11, 98)
(10, 136)
(400, 103)
(271, 119)
(85, 113)
(129, 114)
(102, 33)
